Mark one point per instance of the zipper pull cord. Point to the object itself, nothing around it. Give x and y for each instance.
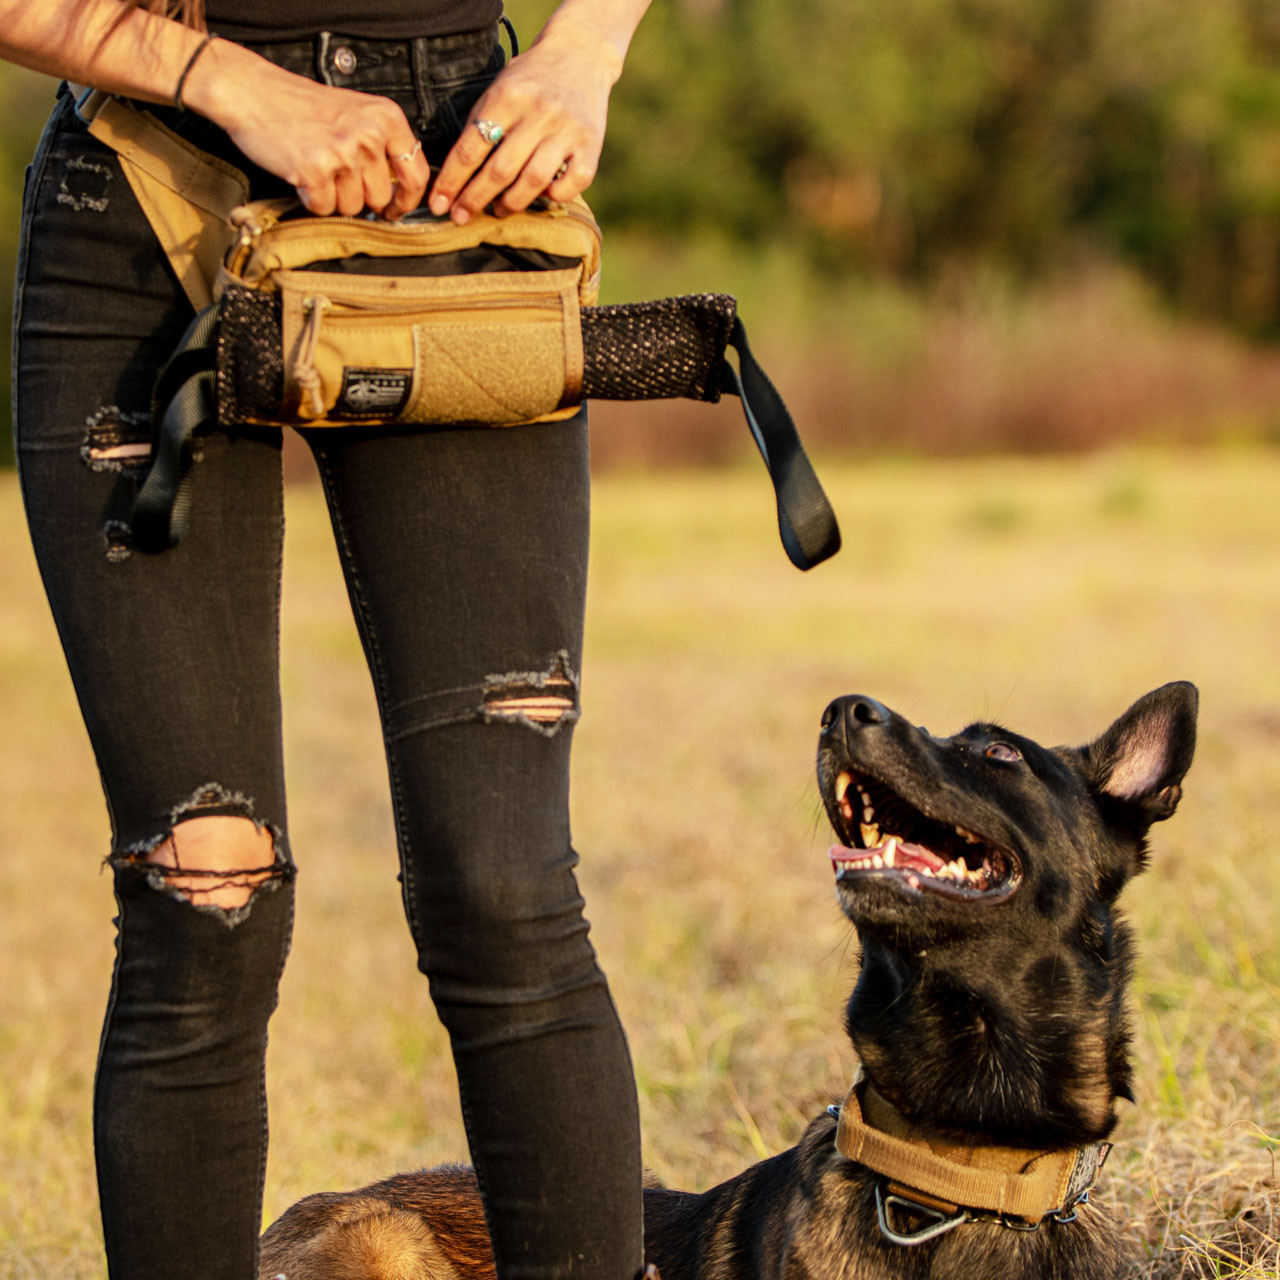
(304, 372)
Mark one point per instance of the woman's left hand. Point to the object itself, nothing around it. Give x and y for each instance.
(550, 104)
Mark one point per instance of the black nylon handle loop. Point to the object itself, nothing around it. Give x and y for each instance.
(806, 522)
(183, 404)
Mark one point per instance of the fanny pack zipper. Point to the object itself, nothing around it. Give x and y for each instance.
(251, 227)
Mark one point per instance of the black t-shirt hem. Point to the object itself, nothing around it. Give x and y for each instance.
(250, 22)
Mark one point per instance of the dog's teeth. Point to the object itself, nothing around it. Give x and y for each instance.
(846, 810)
(843, 782)
(868, 813)
(870, 834)
(890, 846)
(968, 835)
(890, 853)
(865, 794)
(877, 861)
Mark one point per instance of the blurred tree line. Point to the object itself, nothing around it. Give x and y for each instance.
(892, 138)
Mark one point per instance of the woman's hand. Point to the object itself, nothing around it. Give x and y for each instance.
(551, 104)
(343, 151)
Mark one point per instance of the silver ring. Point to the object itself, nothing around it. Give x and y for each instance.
(561, 171)
(405, 156)
(490, 131)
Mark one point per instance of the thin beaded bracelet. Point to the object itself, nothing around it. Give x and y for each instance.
(186, 71)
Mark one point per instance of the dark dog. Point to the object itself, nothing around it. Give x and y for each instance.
(981, 873)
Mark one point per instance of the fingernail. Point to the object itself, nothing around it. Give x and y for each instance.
(439, 205)
(460, 216)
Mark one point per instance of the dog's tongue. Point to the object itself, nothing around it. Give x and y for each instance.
(889, 853)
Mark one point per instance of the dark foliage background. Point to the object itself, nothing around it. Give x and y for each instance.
(895, 138)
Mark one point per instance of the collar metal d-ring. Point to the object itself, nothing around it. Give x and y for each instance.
(941, 1224)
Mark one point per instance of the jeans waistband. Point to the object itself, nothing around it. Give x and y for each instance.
(434, 78)
(371, 65)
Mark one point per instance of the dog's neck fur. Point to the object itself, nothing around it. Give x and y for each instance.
(1011, 1076)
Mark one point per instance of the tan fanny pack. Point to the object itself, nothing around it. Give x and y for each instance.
(370, 322)
(346, 322)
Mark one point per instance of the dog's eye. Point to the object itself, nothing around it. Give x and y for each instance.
(1003, 751)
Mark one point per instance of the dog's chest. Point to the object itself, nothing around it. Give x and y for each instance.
(835, 1235)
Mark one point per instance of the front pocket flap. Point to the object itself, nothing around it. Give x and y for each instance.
(500, 347)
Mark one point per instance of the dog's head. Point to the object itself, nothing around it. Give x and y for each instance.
(981, 872)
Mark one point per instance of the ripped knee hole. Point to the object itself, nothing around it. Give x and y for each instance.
(543, 699)
(217, 860)
(545, 705)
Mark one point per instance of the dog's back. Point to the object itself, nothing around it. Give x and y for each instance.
(424, 1226)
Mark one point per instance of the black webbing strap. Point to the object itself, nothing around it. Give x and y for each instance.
(805, 520)
(183, 403)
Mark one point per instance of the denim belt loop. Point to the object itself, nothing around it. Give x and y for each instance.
(420, 67)
(323, 40)
(511, 36)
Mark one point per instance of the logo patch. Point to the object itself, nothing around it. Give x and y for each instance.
(373, 393)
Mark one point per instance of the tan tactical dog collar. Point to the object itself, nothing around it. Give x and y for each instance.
(951, 1184)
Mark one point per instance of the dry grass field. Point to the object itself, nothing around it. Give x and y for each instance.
(1048, 593)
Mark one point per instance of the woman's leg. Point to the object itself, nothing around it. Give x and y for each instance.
(465, 554)
(174, 660)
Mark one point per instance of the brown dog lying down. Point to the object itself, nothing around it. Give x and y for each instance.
(980, 872)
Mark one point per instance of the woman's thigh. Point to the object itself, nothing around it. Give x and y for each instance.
(466, 554)
(173, 656)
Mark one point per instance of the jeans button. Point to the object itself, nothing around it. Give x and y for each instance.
(344, 59)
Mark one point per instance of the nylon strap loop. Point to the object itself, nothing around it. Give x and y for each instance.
(164, 502)
(806, 523)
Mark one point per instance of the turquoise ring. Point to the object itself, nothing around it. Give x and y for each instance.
(490, 131)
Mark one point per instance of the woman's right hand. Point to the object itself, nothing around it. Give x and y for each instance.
(343, 151)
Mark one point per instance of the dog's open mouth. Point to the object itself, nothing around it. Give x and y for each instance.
(883, 833)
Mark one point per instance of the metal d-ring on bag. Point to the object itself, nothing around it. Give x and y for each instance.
(339, 322)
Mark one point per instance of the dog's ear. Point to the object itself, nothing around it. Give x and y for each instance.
(1136, 768)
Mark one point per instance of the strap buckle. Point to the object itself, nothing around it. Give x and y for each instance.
(939, 1225)
(86, 101)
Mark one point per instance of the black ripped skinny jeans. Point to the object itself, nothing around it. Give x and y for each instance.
(465, 559)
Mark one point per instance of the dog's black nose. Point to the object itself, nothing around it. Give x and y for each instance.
(854, 711)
